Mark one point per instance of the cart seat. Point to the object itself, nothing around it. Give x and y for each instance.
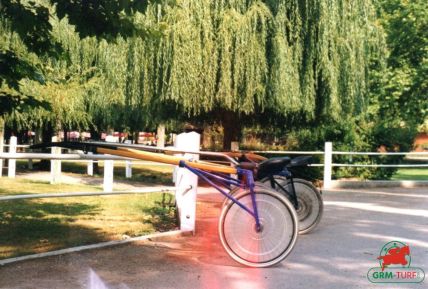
(300, 161)
(272, 166)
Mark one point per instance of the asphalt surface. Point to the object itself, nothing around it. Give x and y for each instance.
(338, 254)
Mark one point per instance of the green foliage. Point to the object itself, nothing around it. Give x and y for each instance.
(16, 64)
(24, 28)
(302, 71)
(14, 68)
(394, 102)
(30, 20)
(294, 58)
(399, 90)
(108, 18)
(404, 99)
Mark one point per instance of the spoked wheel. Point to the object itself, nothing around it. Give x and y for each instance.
(309, 200)
(276, 237)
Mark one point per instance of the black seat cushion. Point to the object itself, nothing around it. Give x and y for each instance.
(272, 166)
(300, 161)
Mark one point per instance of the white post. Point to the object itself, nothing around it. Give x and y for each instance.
(160, 136)
(186, 183)
(328, 156)
(128, 169)
(234, 146)
(110, 138)
(108, 175)
(1, 160)
(90, 166)
(11, 171)
(55, 164)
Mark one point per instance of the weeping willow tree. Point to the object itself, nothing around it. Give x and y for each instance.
(82, 93)
(66, 81)
(17, 64)
(230, 61)
(287, 63)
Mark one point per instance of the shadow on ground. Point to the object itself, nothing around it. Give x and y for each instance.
(28, 226)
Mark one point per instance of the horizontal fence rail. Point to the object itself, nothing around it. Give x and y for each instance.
(89, 159)
(342, 153)
(88, 194)
(381, 153)
(18, 146)
(382, 165)
(41, 156)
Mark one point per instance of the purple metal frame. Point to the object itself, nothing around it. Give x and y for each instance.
(227, 181)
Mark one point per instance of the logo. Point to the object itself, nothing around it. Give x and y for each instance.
(394, 266)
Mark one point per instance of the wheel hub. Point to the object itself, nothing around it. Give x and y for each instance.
(258, 229)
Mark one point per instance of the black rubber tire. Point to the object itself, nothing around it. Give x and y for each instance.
(279, 228)
(309, 199)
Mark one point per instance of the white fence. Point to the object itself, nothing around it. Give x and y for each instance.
(56, 158)
(185, 185)
(328, 164)
(109, 161)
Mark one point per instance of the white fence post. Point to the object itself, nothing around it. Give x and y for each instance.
(328, 157)
(186, 183)
(128, 169)
(234, 146)
(90, 166)
(11, 171)
(55, 164)
(1, 160)
(160, 136)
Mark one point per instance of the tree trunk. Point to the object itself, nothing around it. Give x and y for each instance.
(136, 136)
(65, 133)
(47, 133)
(207, 137)
(38, 138)
(231, 129)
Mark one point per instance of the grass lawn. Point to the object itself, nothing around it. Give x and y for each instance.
(419, 174)
(40, 225)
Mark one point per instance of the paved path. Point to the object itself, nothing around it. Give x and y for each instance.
(338, 254)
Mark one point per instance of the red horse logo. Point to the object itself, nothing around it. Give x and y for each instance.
(395, 255)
